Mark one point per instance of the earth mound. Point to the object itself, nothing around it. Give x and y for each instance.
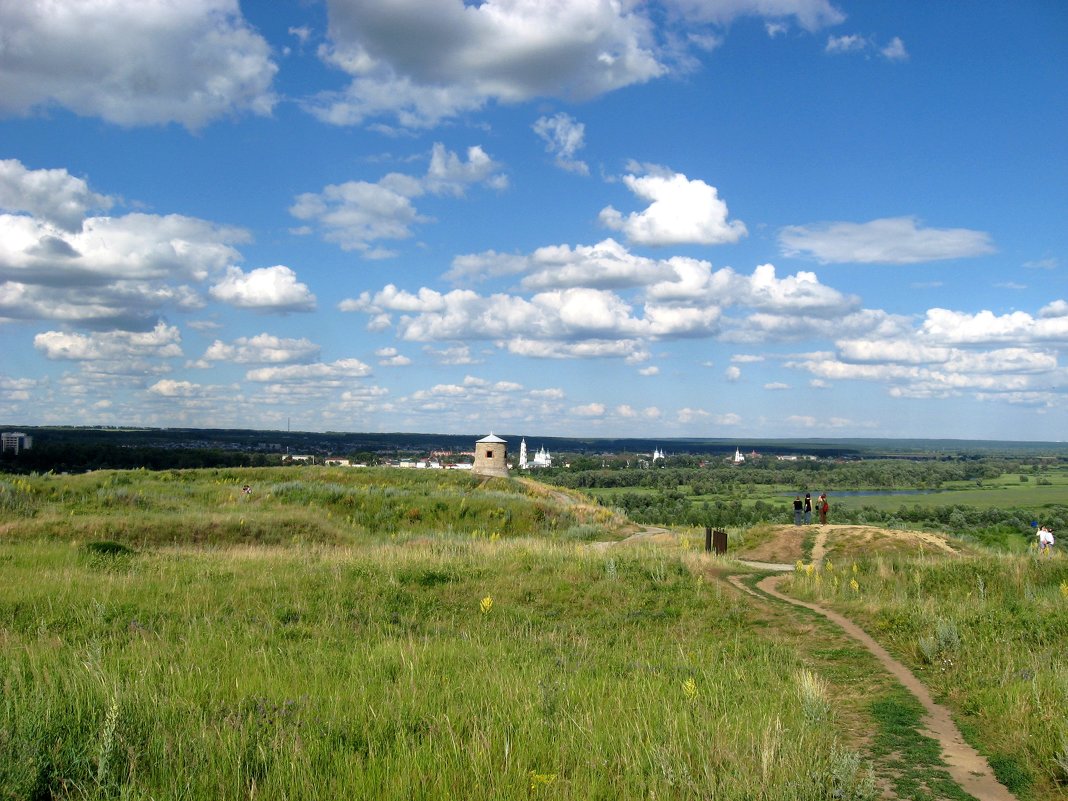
(786, 544)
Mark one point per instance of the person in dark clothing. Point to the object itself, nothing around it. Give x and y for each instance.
(808, 508)
(797, 510)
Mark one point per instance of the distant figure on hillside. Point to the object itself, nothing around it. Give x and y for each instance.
(808, 508)
(824, 507)
(1045, 540)
(797, 510)
(247, 489)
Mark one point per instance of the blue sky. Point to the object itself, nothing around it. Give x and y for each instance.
(723, 218)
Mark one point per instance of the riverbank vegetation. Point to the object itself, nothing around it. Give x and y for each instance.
(992, 500)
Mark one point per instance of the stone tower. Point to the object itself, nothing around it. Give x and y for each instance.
(491, 457)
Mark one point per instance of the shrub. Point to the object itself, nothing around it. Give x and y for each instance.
(108, 548)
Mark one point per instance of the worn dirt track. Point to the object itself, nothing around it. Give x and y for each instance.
(647, 534)
(967, 766)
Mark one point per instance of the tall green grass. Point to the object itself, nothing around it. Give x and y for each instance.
(441, 667)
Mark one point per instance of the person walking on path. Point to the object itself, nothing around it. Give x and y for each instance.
(797, 510)
(823, 507)
(1045, 540)
(808, 508)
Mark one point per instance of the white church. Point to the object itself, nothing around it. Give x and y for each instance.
(541, 458)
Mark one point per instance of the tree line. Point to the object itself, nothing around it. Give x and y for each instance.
(79, 458)
(801, 476)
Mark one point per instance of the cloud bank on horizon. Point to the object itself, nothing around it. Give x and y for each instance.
(764, 218)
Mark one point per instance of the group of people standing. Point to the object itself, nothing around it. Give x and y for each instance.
(803, 509)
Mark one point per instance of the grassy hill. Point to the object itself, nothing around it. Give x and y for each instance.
(410, 634)
(288, 505)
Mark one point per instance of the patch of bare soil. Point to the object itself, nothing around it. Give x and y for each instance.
(784, 543)
(852, 542)
(646, 535)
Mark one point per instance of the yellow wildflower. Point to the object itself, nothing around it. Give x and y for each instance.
(541, 780)
(854, 585)
(485, 605)
(690, 688)
(1064, 588)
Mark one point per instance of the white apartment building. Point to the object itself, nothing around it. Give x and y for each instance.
(15, 442)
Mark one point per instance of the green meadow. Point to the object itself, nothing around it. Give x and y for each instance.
(427, 635)
(283, 505)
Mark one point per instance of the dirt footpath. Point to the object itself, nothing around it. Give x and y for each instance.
(967, 766)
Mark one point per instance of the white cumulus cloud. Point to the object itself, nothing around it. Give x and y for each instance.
(422, 61)
(116, 271)
(681, 211)
(848, 43)
(589, 410)
(262, 349)
(52, 195)
(134, 62)
(391, 357)
(332, 373)
(169, 388)
(1058, 308)
(985, 327)
(274, 289)
(1013, 357)
(163, 341)
(564, 137)
(425, 60)
(895, 50)
(358, 214)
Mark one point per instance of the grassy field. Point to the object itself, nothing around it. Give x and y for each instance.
(404, 634)
(447, 669)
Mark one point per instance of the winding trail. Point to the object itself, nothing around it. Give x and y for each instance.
(646, 534)
(819, 547)
(967, 766)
